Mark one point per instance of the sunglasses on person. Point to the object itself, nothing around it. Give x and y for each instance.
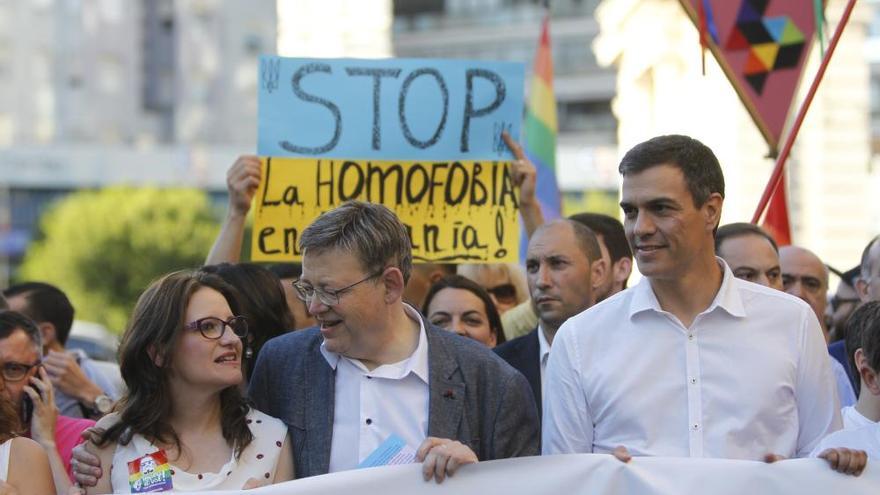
(213, 328)
(504, 293)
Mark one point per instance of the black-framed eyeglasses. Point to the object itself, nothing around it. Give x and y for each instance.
(13, 372)
(328, 297)
(213, 328)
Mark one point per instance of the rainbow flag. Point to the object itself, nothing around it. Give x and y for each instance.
(541, 127)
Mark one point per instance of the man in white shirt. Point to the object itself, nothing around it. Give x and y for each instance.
(691, 362)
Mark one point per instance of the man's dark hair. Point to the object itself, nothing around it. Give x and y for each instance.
(870, 323)
(864, 317)
(611, 231)
(738, 229)
(867, 263)
(10, 321)
(701, 170)
(3, 303)
(46, 303)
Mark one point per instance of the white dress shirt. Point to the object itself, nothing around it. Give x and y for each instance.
(372, 405)
(749, 377)
(852, 419)
(543, 356)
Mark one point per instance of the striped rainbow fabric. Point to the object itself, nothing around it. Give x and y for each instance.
(540, 126)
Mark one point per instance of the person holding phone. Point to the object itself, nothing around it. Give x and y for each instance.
(29, 391)
(24, 466)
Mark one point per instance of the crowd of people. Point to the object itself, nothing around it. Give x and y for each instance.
(235, 376)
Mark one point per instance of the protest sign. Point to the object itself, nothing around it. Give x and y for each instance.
(391, 109)
(594, 474)
(422, 137)
(455, 211)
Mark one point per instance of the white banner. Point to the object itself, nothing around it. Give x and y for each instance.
(594, 474)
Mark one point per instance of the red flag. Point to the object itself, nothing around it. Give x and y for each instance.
(776, 219)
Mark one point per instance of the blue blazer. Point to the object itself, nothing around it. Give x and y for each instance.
(524, 354)
(474, 397)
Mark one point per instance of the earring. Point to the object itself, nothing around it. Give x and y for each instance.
(248, 353)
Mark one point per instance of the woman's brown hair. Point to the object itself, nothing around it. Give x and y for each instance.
(149, 339)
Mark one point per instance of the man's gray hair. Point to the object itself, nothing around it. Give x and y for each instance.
(369, 231)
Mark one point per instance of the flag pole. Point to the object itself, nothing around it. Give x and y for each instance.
(802, 112)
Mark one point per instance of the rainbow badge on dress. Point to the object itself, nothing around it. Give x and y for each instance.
(150, 473)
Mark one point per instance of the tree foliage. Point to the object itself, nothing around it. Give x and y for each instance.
(104, 247)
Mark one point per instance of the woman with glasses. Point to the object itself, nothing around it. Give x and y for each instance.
(183, 425)
(262, 302)
(460, 305)
(24, 465)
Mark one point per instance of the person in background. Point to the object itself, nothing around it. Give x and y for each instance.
(423, 276)
(262, 303)
(868, 283)
(505, 282)
(28, 388)
(806, 277)
(844, 301)
(861, 428)
(615, 251)
(84, 388)
(565, 265)
(750, 252)
(460, 305)
(24, 466)
(288, 273)
(863, 325)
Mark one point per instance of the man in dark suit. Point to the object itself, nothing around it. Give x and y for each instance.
(564, 266)
(374, 370)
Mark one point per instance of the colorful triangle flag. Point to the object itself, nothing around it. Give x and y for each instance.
(763, 53)
(541, 126)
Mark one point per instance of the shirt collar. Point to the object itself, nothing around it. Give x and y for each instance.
(728, 297)
(416, 363)
(543, 344)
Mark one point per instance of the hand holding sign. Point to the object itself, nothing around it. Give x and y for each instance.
(242, 181)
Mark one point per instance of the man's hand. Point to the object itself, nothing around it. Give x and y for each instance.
(524, 175)
(621, 454)
(846, 461)
(242, 181)
(45, 413)
(441, 457)
(66, 374)
(86, 466)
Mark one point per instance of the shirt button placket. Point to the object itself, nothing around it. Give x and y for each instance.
(694, 395)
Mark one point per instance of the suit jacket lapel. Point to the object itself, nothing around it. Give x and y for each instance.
(532, 367)
(320, 393)
(447, 389)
